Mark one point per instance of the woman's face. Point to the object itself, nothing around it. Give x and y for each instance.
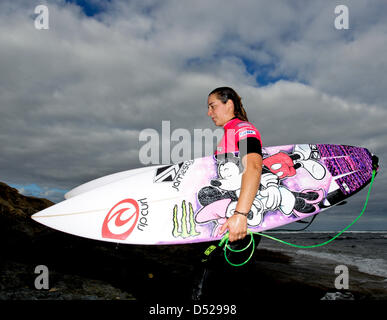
(218, 111)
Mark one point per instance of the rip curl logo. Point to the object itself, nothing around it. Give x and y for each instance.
(121, 220)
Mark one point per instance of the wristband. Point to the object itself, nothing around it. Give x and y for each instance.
(242, 213)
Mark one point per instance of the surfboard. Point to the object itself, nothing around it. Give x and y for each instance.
(189, 201)
(96, 183)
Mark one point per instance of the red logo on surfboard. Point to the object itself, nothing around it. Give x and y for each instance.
(121, 220)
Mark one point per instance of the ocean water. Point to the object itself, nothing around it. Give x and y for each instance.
(364, 253)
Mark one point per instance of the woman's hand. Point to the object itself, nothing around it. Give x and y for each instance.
(237, 227)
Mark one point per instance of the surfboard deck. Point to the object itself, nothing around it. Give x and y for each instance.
(102, 181)
(188, 202)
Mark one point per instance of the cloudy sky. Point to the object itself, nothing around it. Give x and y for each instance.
(74, 98)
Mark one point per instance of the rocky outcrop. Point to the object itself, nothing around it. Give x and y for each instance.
(25, 244)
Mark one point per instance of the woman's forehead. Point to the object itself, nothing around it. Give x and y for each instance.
(212, 99)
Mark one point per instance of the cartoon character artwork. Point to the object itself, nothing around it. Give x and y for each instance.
(218, 201)
(303, 156)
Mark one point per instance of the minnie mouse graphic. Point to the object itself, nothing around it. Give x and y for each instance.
(220, 198)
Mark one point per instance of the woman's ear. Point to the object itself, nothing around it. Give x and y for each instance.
(230, 106)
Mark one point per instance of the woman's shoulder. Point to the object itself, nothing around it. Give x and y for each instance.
(245, 129)
(243, 124)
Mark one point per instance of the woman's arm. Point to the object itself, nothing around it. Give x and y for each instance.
(237, 223)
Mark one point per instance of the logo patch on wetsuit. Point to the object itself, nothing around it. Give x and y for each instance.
(246, 132)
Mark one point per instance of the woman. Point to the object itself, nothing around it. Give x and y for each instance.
(225, 109)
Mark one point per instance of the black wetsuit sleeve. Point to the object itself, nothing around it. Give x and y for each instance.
(249, 145)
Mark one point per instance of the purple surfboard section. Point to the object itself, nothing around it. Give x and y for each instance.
(340, 160)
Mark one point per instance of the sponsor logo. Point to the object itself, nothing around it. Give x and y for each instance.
(143, 222)
(246, 132)
(167, 173)
(315, 154)
(242, 124)
(184, 226)
(121, 220)
(174, 173)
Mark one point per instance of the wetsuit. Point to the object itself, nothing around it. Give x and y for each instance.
(239, 136)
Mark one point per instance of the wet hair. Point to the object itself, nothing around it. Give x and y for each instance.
(225, 93)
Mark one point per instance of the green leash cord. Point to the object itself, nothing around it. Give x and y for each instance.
(225, 238)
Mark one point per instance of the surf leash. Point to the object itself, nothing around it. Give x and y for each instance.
(224, 240)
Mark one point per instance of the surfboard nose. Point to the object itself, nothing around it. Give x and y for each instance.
(39, 214)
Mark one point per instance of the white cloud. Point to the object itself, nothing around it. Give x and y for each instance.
(74, 98)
